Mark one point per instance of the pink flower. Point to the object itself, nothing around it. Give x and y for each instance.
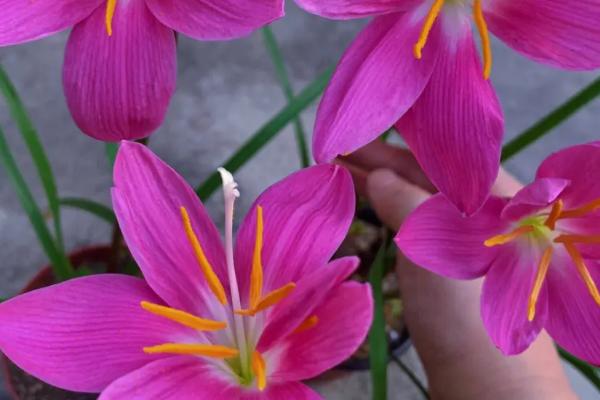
(198, 327)
(120, 63)
(539, 252)
(416, 66)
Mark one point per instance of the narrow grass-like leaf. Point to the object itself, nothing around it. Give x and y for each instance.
(584, 368)
(99, 210)
(36, 150)
(265, 134)
(111, 153)
(378, 344)
(61, 266)
(552, 120)
(284, 80)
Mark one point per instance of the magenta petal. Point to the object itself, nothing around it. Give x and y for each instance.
(351, 9)
(119, 86)
(436, 237)
(561, 33)
(534, 197)
(455, 128)
(25, 20)
(377, 80)
(310, 292)
(190, 378)
(216, 19)
(83, 334)
(505, 298)
(344, 321)
(147, 198)
(574, 317)
(306, 217)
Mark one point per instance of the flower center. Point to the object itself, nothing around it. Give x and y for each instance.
(542, 228)
(431, 17)
(111, 5)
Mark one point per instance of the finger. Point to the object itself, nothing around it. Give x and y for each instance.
(393, 197)
(506, 185)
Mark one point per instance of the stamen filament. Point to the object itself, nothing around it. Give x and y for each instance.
(307, 324)
(539, 280)
(485, 38)
(259, 368)
(578, 239)
(206, 350)
(256, 277)
(211, 278)
(269, 300)
(555, 213)
(583, 271)
(432, 15)
(508, 237)
(183, 317)
(111, 5)
(581, 211)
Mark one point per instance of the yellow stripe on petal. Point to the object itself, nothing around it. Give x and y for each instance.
(206, 350)
(184, 318)
(256, 277)
(111, 5)
(259, 368)
(537, 284)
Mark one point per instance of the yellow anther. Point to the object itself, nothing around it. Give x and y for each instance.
(583, 271)
(111, 5)
(557, 209)
(206, 350)
(432, 15)
(211, 278)
(256, 277)
(485, 38)
(259, 368)
(307, 324)
(539, 280)
(269, 300)
(183, 318)
(508, 237)
(578, 239)
(581, 211)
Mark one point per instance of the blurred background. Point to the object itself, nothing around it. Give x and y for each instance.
(226, 91)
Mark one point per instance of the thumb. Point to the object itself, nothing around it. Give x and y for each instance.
(392, 197)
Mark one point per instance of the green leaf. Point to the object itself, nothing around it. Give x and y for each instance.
(265, 134)
(36, 150)
(284, 80)
(552, 120)
(378, 344)
(61, 266)
(111, 153)
(584, 368)
(99, 210)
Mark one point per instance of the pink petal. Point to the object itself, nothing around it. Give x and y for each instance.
(119, 87)
(579, 164)
(455, 128)
(351, 9)
(505, 298)
(310, 292)
(147, 198)
(534, 197)
(574, 317)
(190, 378)
(344, 321)
(26, 20)
(82, 334)
(306, 217)
(377, 80)
(587, 225)
(561, 33)
(436, 237)
(216, 19)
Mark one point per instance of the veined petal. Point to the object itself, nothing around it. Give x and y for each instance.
(82, 334)
(344, 321)
(377, 80)
(534, 197)
(26, 20)
(455, 128)
(310, 292)
(119, 86)
(306, 217)
(147, 198)
(351, 9)
(216, 19)
(438, 238)
(561, 33)
(505, 298)
(191, 378)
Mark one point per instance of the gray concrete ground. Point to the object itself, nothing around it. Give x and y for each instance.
(226, 91)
